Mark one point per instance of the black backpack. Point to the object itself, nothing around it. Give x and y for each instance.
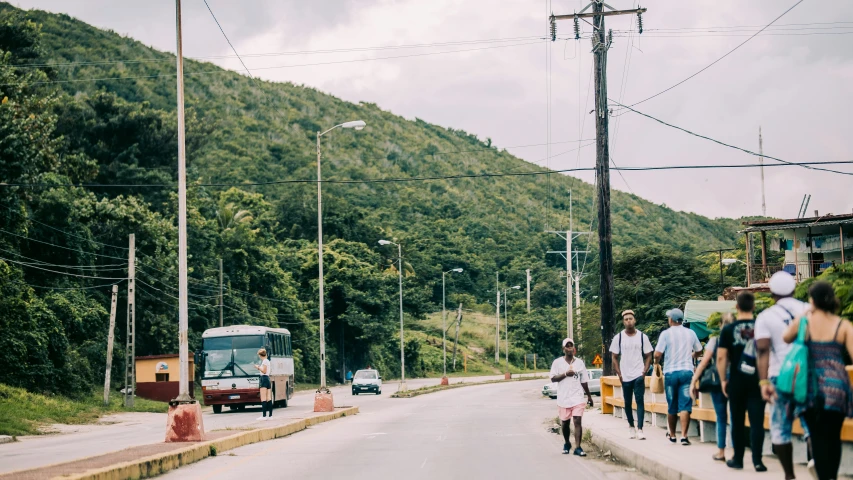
(642, 345)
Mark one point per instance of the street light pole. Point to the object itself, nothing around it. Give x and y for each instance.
(400, 274)
(444, 320)
(506, 325)
(321, 405)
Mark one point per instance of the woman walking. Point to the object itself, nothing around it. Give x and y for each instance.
(717, 396)
(264, 384)
(829, 401)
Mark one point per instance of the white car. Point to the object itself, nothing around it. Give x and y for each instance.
(366, 381)
(550, 390)
(594, 384)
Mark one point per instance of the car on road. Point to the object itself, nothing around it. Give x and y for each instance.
(594, 384)
(550, 390)
(366, 381)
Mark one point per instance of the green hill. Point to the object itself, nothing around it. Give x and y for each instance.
(90, 106)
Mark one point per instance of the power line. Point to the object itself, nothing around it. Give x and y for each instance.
(719, 59)
(104, 285)
(61, 273)
(222, 70)
(60, 246)
(56, 229)
(48, 264)
(801, 164)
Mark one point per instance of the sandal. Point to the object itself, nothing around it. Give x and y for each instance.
(719, 459)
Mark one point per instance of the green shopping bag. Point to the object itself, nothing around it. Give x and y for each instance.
(793, 377)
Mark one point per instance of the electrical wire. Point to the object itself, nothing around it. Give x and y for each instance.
(58, 230)
(719, 59)
(801, 164)
(221, 70)
(60, 246)
(105, 285)
(61, 273)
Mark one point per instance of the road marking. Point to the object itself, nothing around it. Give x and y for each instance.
(422, 465)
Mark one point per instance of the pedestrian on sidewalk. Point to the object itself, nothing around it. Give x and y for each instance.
(572, 378)
(770, 326)
(679, 346)
(737, 348)
(632, 354)
(721, 403)
(829, 401)
(264, 384)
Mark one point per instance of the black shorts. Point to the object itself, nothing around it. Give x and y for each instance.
(265, 381)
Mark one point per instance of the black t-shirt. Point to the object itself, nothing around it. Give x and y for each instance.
(734, 338)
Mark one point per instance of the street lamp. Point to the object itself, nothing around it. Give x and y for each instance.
(444, 320)
(731, 261)
(506, 325)
(400, 272)
(328, 406)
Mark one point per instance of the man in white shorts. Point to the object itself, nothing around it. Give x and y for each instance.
(571, 377)
(772, 349)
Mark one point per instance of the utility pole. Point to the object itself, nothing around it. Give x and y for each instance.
(528, 290)
(601, 42)
(569, 255)
(456, 342)
(110, 338)
(221, 303)
(761, 162)
(497, 319)
(579, 336)
(130, 349)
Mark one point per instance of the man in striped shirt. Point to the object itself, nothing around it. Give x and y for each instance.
(678, 346)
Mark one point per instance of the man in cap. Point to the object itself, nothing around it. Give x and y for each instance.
(772, 349)
(679, 346)
(571, 377)
(632, 353)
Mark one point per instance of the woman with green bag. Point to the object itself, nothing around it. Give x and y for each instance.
(829, 400)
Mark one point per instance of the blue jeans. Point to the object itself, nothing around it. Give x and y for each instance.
(637, 389)
(677, 386)
(720, 404)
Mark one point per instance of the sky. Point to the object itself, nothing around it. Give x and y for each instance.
(483, 67)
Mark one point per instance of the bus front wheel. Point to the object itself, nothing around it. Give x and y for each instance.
(217, 408)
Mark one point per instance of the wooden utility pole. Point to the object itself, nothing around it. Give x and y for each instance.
(600, 44)
(130, 349)
(528, 290)
(456, 342)
(110, 338)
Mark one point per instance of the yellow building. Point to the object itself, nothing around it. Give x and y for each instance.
(157, 376)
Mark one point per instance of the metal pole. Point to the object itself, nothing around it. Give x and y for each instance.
(528, 290)
(569, 312)
(110, 337)
(221, 302)
(761, 162)
(183, 306)
(444, 322)
(841, 239)
(722, 281)
(497, 319)
(402, 357)
(320, 262)
(506, 331)
(130, 351)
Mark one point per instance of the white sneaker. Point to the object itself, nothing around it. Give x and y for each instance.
(632, 432)
(640, 435)
(812, 470)
(261, 418)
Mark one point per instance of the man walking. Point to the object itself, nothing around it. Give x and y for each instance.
(679, 346)
(772, 349)
(632, 353)
(571, 377)
(737, 349)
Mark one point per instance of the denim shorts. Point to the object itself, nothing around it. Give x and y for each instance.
(781, 419)
(677, 387)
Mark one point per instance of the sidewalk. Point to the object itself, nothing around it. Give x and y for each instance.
(663, 460)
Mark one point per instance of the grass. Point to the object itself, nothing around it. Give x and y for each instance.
(25, 413)
(438, 388)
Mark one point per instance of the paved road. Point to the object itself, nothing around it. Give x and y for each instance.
(117, 432)
(489, 431)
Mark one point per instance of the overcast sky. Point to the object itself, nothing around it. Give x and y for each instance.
(796, 83)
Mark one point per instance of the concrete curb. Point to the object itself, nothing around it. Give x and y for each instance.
(440, 388)
(162, 463)
(6, 439)
(648, 466)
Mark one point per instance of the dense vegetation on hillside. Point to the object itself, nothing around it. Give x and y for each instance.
(60, 126)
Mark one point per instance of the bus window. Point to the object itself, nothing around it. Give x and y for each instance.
(288, 350)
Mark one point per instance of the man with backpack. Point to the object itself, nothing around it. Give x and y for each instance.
(772, 349)
(632, 354)
(736, 355)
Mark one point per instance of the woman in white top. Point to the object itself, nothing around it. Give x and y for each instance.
(264, 384)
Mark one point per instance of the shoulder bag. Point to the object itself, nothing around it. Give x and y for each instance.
(793, 376)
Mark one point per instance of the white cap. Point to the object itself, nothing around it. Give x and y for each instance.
(568, 340)
(782, 284)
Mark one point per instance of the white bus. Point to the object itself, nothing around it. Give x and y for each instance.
(228, 375)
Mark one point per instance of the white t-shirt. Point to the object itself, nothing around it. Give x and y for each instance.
(631, 362)
(677, 344)
(265, 363)
(772, 323)
(569, 390)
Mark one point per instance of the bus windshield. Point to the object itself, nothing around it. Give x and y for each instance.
(232, 356)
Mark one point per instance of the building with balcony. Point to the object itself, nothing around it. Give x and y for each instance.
(810, 245)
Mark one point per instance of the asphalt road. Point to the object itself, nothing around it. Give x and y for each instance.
(488, 431)
(117, 432)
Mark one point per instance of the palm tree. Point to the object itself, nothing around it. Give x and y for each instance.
(229, 217)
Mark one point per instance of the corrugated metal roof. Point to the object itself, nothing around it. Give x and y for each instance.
(797, 223)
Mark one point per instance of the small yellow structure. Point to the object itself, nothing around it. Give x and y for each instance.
(157, 376)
